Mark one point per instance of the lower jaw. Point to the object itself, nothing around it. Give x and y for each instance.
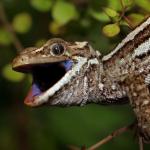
(29, 100)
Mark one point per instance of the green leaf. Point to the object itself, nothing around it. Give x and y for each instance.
(115, 4)
(110, 12)
(11, 75)
(5, 37)
(55, 28)
(40, 42)
(145, 4)
(111, 30)
(135, 19)
(41, 5)
(100, 16)
(22, 22)
(63, 12)
(124, 23)
(127, 2)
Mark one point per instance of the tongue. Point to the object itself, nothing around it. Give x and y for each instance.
(34, 91)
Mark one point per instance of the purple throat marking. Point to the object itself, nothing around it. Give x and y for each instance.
(35, 85)
(67, 64)
(35, 89)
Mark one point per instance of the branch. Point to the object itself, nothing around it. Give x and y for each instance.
(141, 146)
(111, 136)
(9, 28)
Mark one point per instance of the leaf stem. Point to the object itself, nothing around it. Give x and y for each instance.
(9, 28)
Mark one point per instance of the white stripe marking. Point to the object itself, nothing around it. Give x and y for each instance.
(142, 49)
(147, 79)
(129, 37)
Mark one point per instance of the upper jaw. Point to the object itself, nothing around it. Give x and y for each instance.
(23, 63)
(35, 56)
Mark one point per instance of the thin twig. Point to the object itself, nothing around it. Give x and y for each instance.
(110, 137)
(83, 148)
(123, 15)
(9, 28)
(128, 22)
(122, 4)
(141, 146)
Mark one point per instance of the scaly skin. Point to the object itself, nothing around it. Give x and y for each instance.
(122, 75)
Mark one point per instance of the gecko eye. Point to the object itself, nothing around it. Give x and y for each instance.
(57, 49)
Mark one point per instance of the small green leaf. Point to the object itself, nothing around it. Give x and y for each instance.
(111, 30)
(40, 42)
(100, 16)
(127, 2)
(41, 5)
(56, 28)
(124, 23)
(114, 4)
(5, 37)
(63, 12)
(110, 12)
(145, 4)
(11, 75)
(135, 19)
(22, 22)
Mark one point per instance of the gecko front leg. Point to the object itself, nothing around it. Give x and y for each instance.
(139, 96)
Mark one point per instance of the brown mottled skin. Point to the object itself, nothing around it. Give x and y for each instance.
(139, 95)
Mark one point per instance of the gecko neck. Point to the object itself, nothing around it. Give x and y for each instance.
(131, 55)
(100, 88)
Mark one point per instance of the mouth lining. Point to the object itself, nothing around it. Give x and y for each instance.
(45, 76)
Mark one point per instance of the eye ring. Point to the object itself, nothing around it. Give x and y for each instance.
(57, 49)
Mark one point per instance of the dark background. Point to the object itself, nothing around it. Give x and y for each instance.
(54, 128)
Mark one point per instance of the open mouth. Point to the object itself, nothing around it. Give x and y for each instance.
(45, 76)
(49, 78)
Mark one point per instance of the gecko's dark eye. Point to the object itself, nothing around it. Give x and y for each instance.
(57, 49)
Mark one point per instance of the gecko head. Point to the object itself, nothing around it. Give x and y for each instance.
(52, 67)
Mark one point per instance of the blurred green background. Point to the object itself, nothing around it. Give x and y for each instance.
(101, 22)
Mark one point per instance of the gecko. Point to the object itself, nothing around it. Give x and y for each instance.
(73, 73)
